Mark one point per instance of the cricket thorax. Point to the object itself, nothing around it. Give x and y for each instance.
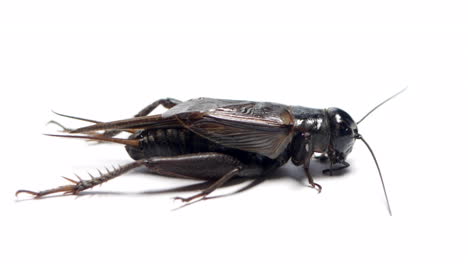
(312, 133)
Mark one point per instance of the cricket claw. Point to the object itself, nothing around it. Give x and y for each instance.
(181, 199)
(316, 186)
(26, 191)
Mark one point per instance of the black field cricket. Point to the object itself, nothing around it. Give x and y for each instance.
(217, 140)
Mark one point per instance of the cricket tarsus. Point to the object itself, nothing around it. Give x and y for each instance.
(66, 189)
(313, 185)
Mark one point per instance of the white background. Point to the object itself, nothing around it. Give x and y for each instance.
(106, 60)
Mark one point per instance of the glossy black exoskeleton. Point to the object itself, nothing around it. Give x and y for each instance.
(217, 139)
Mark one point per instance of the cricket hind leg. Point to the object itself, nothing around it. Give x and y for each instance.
(168, 103)
(202, 166)
(212, 165)
(79, 184)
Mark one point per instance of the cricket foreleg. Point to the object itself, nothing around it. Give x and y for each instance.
(312, 183)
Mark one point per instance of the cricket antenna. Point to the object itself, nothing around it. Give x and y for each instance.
(388, 99)
(378, 168)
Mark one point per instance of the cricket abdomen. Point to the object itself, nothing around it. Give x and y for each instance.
(167, 142)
